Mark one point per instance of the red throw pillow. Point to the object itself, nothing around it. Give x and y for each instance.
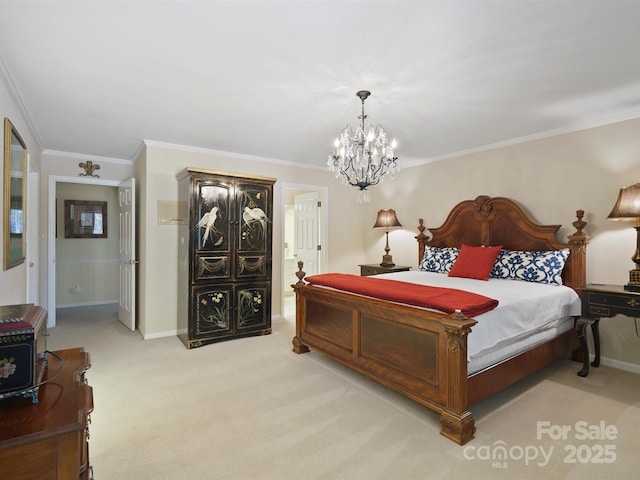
(475, 262)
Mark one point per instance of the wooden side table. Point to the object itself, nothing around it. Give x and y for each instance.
(49, 440)
(602, 301)
(376, 269)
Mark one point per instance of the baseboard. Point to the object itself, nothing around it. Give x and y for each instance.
(168, 333)
(87, 304)
(610, 362)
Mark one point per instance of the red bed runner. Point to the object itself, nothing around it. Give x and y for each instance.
(437, 298)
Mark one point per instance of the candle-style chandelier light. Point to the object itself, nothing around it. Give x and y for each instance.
(363, 158)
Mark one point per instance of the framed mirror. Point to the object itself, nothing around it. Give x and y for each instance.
(85, 219)
(15, 194)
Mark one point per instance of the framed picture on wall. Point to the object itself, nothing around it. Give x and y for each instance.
(85, 219)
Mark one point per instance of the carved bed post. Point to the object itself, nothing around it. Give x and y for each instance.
(457, 422)
(577, 279)
(298, 346)
(422, 239)
(578, 246)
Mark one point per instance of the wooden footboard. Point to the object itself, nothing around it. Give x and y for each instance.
(418, 353)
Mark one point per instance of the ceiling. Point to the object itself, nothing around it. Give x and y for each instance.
(277, 80)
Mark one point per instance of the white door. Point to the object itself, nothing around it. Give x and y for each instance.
(306, 219)
(127, 215)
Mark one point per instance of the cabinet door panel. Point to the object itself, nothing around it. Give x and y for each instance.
(255, 215)
(213, 216)
(253, 306)
(212, 310)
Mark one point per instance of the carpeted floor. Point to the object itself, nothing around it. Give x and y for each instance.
(252, 409)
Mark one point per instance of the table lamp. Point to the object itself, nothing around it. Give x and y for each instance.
(387, 219)
(627, 207)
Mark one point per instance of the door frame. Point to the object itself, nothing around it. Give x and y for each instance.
(323, 218)
(51, 235)
(33, 234)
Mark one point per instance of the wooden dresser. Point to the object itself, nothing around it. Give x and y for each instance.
(49, 440)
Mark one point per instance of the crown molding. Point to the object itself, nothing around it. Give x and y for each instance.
(578, 127)
(82, 156)
(240, 156)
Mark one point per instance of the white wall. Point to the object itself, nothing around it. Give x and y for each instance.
(13, 282)
(551, 178)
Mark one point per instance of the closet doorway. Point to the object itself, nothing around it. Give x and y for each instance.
(304, 236)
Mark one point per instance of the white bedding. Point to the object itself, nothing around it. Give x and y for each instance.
(488, 359)
(524, 309)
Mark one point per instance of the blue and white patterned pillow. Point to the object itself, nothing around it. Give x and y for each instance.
(438, 259)
(540, 267)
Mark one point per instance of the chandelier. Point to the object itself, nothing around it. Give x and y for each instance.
(363, 158)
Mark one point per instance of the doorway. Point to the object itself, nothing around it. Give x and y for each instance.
(305, 214)
(55, 231)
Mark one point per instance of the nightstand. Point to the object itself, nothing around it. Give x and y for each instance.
(376, 269)
(602, 301)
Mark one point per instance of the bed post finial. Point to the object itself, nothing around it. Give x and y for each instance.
(300, 274)
(579, 239)
(422, 239)
(421, 229)
(579, 224)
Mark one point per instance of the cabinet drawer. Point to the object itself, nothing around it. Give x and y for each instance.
(596, 298)
(375, 269)
(366, 270)
(602, 311)
(252, 266)
(209, 267)
(607, 304)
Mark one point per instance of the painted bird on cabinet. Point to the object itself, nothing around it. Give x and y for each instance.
(207, 222)
(250, 215)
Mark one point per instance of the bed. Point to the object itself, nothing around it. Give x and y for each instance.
(423, 353)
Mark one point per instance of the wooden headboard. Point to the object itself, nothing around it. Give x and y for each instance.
(501, 221)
